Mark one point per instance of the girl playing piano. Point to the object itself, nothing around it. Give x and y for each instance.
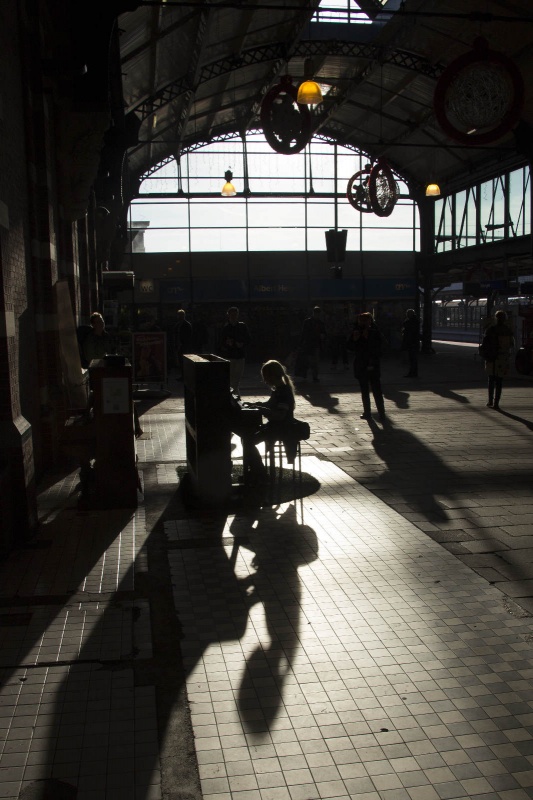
(279, 411)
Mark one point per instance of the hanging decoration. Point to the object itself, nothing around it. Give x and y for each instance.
(357, 190)
(373, 189)
(286, 123)
(479, 96)
(382, 188)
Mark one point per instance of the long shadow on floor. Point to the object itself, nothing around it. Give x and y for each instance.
(203, 589)
(319, 397)
(70, 648)
(449, 394)
(280, 544)
(414, 469)
(417, 479)
(527, 423)
(399, 398)
(246, 590)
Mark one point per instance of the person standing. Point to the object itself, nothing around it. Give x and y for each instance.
(98, 342)
(234, 339)
(366, 344)
(312, 341)
(182, 340)
(411, 341)
(498, 343)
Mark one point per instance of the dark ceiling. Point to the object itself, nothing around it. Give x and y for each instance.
(194, 72)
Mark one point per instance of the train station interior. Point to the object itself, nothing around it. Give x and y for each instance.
(360, 626)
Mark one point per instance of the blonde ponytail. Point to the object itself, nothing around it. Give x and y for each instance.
(274, 372)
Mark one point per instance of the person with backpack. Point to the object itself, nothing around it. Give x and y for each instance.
(496, 348)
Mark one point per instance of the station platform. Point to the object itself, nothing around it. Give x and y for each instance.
(366, 634)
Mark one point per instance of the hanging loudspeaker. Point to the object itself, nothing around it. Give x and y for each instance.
(336, 245)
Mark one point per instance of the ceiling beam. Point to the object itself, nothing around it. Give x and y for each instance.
(300, 21)
(155, 16)
(237, 48)
(278, 53)
(194, 70)
(163, 33)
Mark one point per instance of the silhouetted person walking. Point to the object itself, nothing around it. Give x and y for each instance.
(366, 344)
(234, 340)
(182, 340)
(498, 343)
(311, 342)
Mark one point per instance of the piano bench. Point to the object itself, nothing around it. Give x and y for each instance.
(274, 455)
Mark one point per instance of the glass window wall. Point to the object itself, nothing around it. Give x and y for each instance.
(519, 193)
(491, 211)
(341, 12)
(292, 201)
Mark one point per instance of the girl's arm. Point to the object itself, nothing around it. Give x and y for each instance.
(274, 408)
(277, 411)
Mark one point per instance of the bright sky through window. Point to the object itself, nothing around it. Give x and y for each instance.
(341, 11)
(292, 201)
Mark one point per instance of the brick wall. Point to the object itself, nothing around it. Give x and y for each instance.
(18, 396)
(39, 245)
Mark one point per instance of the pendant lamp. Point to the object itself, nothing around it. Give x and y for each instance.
(228, 190)
(309, 92)
(432, 190)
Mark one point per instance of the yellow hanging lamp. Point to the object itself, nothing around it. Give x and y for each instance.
(228, 190)
(309, 92)
(432, 190)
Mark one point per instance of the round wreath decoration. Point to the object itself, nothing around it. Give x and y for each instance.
(479, 96)
(382, 188)
(357, 191)
(373, 189)
(286, 123)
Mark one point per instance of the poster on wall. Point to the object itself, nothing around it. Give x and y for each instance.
(150, 357)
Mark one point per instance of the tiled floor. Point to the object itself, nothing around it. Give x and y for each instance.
(371, 640)
(80, 725)
(71, 630)
(343, 654)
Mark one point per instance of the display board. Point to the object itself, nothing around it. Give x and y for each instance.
(149, 357)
